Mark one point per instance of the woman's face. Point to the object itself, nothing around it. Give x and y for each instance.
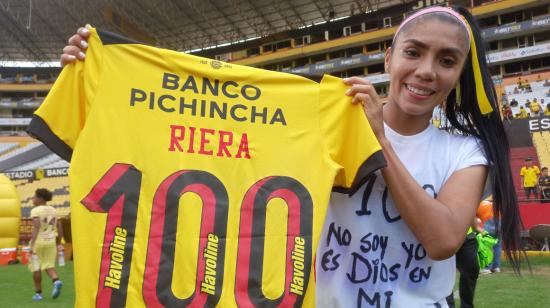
(425, 65)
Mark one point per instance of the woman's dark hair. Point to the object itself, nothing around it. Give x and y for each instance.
(44, 194)
(465, 116)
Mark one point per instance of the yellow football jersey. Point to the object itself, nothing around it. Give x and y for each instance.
(196, 182)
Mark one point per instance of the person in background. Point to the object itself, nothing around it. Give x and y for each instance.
(490, 227)
(529, 178)
(504, 98)
(507, 112)
(547, 110)
(544, 185)
(535, 108)
(523, 114)
(468, 267)
(43, 243)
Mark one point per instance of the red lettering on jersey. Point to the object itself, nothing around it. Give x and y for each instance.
(205, 141)
(223, 144)
(243, 147)
(177, 134)
(181, 138)
(191, 148)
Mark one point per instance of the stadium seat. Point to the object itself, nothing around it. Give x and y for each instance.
(59, 186)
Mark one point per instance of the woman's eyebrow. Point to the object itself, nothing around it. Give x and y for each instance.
(451, 50)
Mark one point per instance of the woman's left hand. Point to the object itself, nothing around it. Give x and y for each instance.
(364, 92)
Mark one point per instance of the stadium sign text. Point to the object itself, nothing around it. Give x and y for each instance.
(56, 172)
(539, 124)
(37, 174)
(20, 175)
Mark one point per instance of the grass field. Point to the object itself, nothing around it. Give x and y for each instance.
(496, 290)
(505, 289)
(17, 288)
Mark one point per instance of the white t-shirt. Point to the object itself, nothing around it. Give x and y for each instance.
(367, 255)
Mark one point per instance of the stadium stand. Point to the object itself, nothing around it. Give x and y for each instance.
(22, 90)
(23, 155)
(57, 164)
(537, 92)
(26, 187)
(38, 163)
(529, 137)
(59, 186)
(19, 151)
(5, 147)
(541, 140)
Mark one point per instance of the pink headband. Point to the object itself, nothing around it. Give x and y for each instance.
(436, 9)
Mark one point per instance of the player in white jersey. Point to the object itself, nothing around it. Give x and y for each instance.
(43, 243)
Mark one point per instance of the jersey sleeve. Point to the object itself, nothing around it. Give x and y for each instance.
(522, 171)
(62, 116)
(347, 136)
(34, 213)
(470, 153)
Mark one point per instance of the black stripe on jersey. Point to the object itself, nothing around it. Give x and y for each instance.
(127, 187)
(40, 130)
(110, 38)
(261, 200)
(166, 264)
(374, 162)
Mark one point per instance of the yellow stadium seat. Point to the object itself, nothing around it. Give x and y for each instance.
(541, 141)
(59, 186)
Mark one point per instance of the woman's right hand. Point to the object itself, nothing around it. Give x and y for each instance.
(77, 47)
(364, 92)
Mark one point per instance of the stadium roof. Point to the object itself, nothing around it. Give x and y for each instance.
(37, 30)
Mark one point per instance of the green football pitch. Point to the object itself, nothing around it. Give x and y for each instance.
(17, 288)
(496, 290)
(505, 289)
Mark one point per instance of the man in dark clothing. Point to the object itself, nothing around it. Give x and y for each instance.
(468, 267)
(544, 185)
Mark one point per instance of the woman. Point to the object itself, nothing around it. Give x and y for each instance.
(403, 228)
(393, 242)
